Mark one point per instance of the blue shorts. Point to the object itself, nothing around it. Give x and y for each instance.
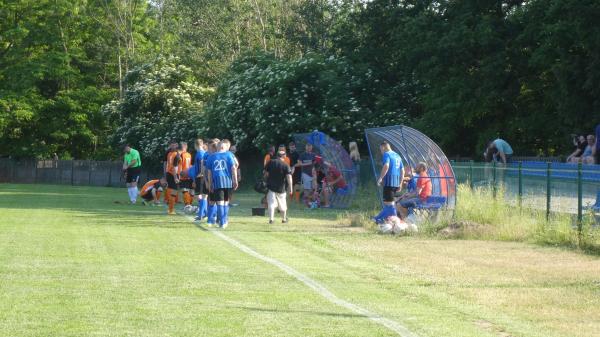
(342, 191)
(411, 203)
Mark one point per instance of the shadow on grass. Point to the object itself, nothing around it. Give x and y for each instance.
(100, 204)
(316, 313)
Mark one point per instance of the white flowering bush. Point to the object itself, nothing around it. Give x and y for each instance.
(264, 100)
(162, 102)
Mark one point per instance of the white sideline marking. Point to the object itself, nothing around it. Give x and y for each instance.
(318, 288)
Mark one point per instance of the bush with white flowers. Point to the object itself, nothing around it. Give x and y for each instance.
(264, 100)
(162, 102)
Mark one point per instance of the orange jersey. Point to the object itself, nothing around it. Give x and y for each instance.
(186, 162)
(173, 163)
(149, 186)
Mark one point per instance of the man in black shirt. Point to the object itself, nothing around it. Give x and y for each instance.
(279, 176)
(296, 171)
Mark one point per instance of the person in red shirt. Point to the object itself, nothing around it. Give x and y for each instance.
(423, 191)
(333, 182)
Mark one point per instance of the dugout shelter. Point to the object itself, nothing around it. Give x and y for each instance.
(334, 153)
(413, 147)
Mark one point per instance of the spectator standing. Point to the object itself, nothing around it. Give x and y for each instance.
(355, 156)
(278, 175)
(305, 162)
(296, 171)
(286, 159)
(270, 155)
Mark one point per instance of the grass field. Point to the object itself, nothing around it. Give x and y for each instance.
(74, 263)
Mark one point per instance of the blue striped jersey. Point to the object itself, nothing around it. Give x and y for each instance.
(221, 165)
(392, 177)
(199, 157)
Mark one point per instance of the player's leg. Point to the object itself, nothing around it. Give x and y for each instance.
(271, 204)
(171, 193)
(325, 196)
(131, 183)
(282, 204)
(147, 197)
(389, 208)
(186, 186)
(202, 198)
(211, 209)
(307, 185)
(226, 204)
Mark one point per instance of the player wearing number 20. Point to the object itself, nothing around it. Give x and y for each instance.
(391, 176)
(222, 177)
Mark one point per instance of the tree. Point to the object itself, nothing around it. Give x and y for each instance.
(264, 100)
(162, 102)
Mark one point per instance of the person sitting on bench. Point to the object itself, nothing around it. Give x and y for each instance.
(421, 194)
(409, 184)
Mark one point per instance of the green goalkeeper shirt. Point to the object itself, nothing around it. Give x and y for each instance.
(133, 154)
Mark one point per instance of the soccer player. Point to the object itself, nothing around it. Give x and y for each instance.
(222, 176)
(200, 188)
(172, 176)
(132, 165)
(172, 147)
(211, 209)
(391, 176)
(185, 182)
(151, 191)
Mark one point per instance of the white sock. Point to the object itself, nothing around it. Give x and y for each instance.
(132, 193)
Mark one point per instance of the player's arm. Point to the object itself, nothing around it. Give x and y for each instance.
(502, 156)
(401, 175)
(384, 171)
(336, 180)
(290, 183)
(209, 180)
(234, 176)
(176, 162)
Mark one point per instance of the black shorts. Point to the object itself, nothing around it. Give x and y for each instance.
(200, 187)
(171, 184)
(186, 183)
(147, 196)
(389, 193)
(133, 174)
(221, 194)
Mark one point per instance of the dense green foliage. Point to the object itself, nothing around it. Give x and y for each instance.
(525, 71)
(162, 103)
(264, 100)
(461, 71)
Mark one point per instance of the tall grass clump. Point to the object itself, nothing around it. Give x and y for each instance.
(480, 215)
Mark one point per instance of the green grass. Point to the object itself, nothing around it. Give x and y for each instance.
(498, 219)
(73, 263)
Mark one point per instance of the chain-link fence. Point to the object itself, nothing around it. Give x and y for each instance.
(549, 186)
(65, 172)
